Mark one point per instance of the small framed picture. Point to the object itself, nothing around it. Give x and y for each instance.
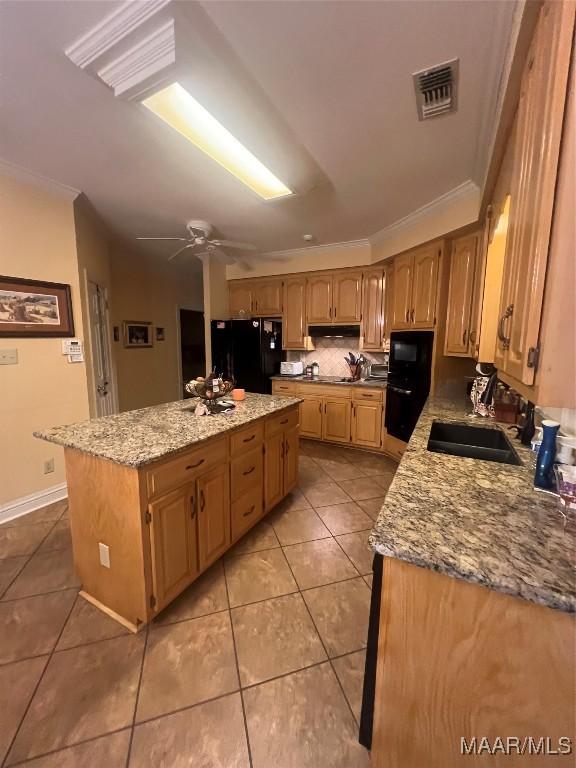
(34, 308)
(160, 334)
(137, 333)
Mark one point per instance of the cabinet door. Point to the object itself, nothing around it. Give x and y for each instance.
(463, 262)
(291, 451)
(240, 299)
(267, 298)
(367, 424)
(173, 544)
(336, 421)
(424, 285)
(535, 165)
(294, 321)
(319, 299)
(388, 301)
(213, 495)
(311, 417)
(347, 298)
(372, 319)
(402, 301)
(274, 470)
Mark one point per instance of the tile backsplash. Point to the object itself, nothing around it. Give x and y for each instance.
(329, 354)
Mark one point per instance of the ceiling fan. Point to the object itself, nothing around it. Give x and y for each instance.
(200, 242)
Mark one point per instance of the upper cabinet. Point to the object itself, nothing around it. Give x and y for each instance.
(319, 297)
(240, 299)
(535, 164)
(371, 332)
(460, 336)
(347, 297)
(388, 300)
(415, 288)
(267, 298)
(294, 325)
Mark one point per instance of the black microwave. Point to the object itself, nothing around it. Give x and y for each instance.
(411, 353)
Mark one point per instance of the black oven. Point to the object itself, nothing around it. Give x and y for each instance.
(408, 380)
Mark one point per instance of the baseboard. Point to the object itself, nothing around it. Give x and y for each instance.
(19, 507)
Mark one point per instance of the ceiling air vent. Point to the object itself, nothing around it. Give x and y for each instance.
(436, 90)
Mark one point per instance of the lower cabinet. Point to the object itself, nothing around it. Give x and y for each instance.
(311, 410)
(213, 494)
(336, 421)
(280, 464)
(173, 541)
(367, 424)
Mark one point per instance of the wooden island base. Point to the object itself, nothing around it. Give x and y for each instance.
(142, 535)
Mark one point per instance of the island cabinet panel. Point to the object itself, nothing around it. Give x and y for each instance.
(280, 458)
(294, 318)
(336, 421)
(166, 475)
(460, 660)
(246, 472)
(319, 299)
(246, 511)
(174, 545)
(274, 470)
(247, 438)
(214, 537)
(347, 299)
(311, 417)
(292, 448)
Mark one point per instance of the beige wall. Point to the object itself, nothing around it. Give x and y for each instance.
(37, 241)
(142, 291)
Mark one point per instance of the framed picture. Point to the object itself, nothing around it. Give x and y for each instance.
(137, 333)
(160, 334)
(33, 308)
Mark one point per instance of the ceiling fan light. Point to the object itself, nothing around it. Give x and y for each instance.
(176, 107)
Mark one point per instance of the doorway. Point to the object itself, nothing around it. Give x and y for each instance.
(192, 346)
(102, 374)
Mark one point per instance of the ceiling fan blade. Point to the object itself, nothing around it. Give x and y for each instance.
(184, 247)
(234, 244)
(162, 238)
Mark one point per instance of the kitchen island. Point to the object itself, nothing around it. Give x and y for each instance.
(472, 610)
(158, 494)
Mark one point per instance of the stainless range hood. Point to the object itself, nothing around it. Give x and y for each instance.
(334, 331)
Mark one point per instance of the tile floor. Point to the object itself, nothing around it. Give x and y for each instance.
(259, 663)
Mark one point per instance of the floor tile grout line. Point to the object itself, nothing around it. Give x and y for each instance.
(6, 600)
(238, 671)
(137, 699)
(36, 687)
(69, 746)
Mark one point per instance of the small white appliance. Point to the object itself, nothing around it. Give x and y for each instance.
(291, 369)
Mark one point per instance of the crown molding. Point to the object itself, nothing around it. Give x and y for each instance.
(149, 56)
(362, 243)
(454, 209)
(43, 182)
(104, 35)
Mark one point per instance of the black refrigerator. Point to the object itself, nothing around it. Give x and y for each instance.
(248, 351)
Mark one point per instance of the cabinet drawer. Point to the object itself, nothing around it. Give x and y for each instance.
(369, 395)
(171, 474)
(246, 511)
(325, 390)
(247, 438)
(246, 472)
(283, 387)
(284, 420)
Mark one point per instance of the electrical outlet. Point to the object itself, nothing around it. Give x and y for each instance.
(48, 466)
(8, 357)
(104, 555)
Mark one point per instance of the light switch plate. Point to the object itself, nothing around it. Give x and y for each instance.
(8, 356)
(104, 555)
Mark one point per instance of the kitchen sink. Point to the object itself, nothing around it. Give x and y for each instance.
(473, 442)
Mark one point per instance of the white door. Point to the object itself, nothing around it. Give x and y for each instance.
(101, 356)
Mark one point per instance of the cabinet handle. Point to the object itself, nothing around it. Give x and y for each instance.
(202, 501)
(464, 335)
(412, 316)
(193, 505)
(193, 466)
(287, 448)
(284, 421)
(407, 315)
(249, 471)
(504, 340)
(320, 407)
(247, 514)
(248, 439)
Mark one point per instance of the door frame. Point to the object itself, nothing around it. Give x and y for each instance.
(180, 392)
(87, 279)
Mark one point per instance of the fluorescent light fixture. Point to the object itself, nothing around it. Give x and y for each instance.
(182, 112)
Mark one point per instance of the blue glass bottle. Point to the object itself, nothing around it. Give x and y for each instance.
(544, 477)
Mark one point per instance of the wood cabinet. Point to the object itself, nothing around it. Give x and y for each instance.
(311, 410)
(240, 299)
(319, 299)
(213, 499)
(388, 301)
(535, 164)
(280, 461)
(294, 318)
(372, 330)
(347, 297)
(463, 289)
(336, 420)
(173, 542)
(415, 288)
(367, 418)
(292, 451)
(267, 298)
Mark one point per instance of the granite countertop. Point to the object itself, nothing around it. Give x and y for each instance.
(136, 438)
(332, 380)
(477, 520)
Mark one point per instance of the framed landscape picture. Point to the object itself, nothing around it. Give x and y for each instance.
(137, 334)
(33, 308)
